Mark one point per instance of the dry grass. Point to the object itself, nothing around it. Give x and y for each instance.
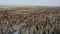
(30, 20)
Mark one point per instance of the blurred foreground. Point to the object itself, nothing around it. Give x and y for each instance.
(30, 20)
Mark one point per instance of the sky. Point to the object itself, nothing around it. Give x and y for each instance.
(31, 2)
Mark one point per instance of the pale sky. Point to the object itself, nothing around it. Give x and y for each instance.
(31, 2)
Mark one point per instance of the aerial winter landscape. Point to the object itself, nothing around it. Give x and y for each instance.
(29, 17)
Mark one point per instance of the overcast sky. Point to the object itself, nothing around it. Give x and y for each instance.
(31, 2)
